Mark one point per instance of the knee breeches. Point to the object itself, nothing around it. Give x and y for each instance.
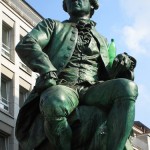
(59, 101)
(108, 92)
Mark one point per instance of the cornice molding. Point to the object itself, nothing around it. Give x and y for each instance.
(21, 13)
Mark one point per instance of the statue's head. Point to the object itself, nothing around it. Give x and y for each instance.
(86, 5)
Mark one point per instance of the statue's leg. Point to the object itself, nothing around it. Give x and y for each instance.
(119, 96)
(56, 103)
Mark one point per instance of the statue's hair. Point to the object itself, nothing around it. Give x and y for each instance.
(94, 6)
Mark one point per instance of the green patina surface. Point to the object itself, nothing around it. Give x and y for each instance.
(80, 101)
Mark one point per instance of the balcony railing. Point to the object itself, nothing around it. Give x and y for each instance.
(4, 104)
(6, 50)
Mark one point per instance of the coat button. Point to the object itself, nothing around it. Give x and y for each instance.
(66, 56)
(72, 39)
(62, 64)
(74, 32)
(69, 47)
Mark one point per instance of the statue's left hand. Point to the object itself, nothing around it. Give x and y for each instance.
(45, 81)
(123, 66)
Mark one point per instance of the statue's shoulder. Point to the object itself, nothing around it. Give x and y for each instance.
(98, 34)
(50, 21)
(101, 38)
(104, 39)
(56, 23)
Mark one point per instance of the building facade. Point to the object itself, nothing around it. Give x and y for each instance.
(140, 137)
(16, 79)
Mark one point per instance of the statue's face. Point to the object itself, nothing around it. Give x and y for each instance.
(78, 7)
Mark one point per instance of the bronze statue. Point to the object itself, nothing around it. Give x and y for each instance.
(76, 102)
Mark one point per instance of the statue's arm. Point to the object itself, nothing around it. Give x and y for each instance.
(30, 48)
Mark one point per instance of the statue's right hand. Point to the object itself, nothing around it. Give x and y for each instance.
(44, 82)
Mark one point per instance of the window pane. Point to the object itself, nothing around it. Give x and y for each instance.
(6, 35)
(7, 40)
(23, 94)
(4, 102)
(4, 89)
(21, 99)
(2, 143)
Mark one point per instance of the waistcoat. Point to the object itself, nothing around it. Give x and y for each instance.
(83, 65)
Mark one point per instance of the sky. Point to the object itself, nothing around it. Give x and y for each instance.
(128, 23)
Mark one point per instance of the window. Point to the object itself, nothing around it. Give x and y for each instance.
(22, 65)
(3, 143)
(5, 86)
(23, 94)
(7, 40)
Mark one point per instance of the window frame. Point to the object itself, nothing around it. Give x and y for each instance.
(23, 66)
(8, 43)
(6, 142)
(4, 101)
(24, 93)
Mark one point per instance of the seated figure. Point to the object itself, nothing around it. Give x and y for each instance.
(79, 100)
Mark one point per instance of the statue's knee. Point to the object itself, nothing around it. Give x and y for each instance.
(55, 102)
(51, 103)
(126, 88)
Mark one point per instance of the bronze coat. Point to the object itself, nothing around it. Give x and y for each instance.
(48, 47)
